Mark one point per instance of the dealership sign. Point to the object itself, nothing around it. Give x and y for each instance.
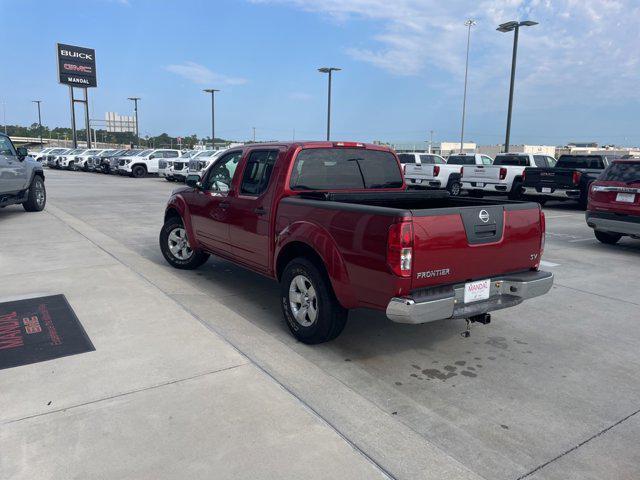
(76, 66)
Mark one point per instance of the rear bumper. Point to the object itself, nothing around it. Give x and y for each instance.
(610, 222)
(487, 187)
(448, 303)
(561, 193)
(423, 183)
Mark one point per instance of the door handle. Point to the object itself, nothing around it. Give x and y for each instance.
(259, 211)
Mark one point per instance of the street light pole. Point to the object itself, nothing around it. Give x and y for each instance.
(507, 27)
(135, 109)
(212, 91)
(469, 23)
(4, 116)
(329, 70)
(38, 102)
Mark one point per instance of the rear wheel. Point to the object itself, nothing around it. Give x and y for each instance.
(609, 238)
(176, 248)
(138, 171)
(37, 197)
(454, 188)
(310, 308)
(516, 191)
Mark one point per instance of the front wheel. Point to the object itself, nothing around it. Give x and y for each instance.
(138, 171)
(310, 308)
(37, 197)
(609, 238)
(176, 249)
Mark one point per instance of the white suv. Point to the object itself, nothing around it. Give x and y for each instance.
(145, 162)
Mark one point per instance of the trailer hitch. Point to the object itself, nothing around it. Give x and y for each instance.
(483, 318)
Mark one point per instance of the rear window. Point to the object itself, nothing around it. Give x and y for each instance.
(344, 169)
(431, 159)
(511, 160)
(579, 161)
(622, 172)
(406, 158)
(461, 160)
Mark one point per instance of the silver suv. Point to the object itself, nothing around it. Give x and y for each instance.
(21, 178)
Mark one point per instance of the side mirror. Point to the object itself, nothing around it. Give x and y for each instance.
(193, 181)
(151, 157)
(22, 153)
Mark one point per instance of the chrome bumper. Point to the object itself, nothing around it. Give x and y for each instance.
(434, 304)
(557, 193)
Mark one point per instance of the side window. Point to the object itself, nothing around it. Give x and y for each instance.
(170, 154)
(551, 161)
(159, 154)
(486, 160)
(6, 147)
(221, 174)
(540, 161)
(257, 172)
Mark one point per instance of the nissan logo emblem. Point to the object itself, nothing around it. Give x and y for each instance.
(484, 216)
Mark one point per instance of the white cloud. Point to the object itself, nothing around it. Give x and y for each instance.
(202, 75)
(588, 49)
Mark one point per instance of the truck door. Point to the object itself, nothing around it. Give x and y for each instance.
(210, 206)
(13, 172)
(249, 219)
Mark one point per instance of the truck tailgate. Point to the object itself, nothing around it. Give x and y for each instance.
(418, 171)
(480, 174)
(549, 178)
(454, 245)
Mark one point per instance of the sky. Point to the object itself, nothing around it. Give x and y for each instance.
(403, 62)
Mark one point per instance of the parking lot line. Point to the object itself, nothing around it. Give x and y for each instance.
(544, 263)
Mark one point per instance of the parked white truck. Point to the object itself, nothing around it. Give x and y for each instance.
(504, 177)
(146, 162)
(427, 170)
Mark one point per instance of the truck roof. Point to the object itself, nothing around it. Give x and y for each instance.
(320, 144)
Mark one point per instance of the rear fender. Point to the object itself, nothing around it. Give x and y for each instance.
(178, 206)
(323, 244)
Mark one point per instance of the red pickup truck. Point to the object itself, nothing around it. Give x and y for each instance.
(334, 224)
(614, 202)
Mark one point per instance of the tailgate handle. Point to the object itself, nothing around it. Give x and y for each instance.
(485, 230)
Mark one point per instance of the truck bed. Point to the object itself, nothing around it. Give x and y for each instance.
(455, 239)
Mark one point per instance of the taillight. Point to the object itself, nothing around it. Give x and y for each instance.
(400, 248)
(576, 178)
(503, 173)
(436, 170)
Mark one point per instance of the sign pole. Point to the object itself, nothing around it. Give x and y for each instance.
(86, 117)
(74, 138)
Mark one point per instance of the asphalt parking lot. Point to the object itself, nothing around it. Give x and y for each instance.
(550, 389)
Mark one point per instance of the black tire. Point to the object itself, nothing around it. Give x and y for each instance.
(37, 197)
(331, 317)
(454, 188)
(138, 171)
(197, 257)
(609, 238)
(516, 190)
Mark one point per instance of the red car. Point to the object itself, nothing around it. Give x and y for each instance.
(614, 202)
(334, 224)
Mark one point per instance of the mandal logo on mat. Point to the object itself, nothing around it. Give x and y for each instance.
(39, 329)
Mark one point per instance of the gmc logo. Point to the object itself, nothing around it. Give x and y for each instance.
(547, 174)
(68, 53)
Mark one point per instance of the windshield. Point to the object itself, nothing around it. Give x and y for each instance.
(144, 153)
(130, 153)
(461, 160)
(91, 152)
(580, 161)
(206, 153)
(57, 150)
(622, 172)
(345, 169)
(511, 160)
(76, 151)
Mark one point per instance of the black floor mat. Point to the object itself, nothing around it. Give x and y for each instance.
(39, 329)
